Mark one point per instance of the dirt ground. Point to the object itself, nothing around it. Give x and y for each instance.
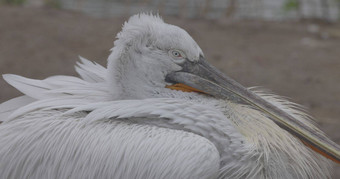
(297, 60)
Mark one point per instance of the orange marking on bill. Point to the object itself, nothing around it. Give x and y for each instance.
(321, 152)
(183, 87)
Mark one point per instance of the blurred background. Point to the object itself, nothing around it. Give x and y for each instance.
(289, 46)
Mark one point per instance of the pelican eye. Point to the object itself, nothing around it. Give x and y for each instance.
(177, 55)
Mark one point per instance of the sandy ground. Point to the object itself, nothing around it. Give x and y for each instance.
(297, 60)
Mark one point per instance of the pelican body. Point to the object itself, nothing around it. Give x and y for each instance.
(159, 110)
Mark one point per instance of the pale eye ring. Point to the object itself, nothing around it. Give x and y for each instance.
(176, 54)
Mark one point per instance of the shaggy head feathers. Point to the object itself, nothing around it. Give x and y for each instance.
(150, 31)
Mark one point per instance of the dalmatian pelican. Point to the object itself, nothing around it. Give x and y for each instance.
(159, 110)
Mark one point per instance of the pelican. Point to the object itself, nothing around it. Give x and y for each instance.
(159, 110)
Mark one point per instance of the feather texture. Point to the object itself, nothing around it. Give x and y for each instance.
(10, 106)
(59, 146)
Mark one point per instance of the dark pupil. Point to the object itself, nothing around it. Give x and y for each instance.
(176, 53)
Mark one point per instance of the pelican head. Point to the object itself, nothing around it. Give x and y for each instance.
(145, 52)
(152, 59)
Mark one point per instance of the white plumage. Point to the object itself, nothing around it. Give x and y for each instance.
(122, 122)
